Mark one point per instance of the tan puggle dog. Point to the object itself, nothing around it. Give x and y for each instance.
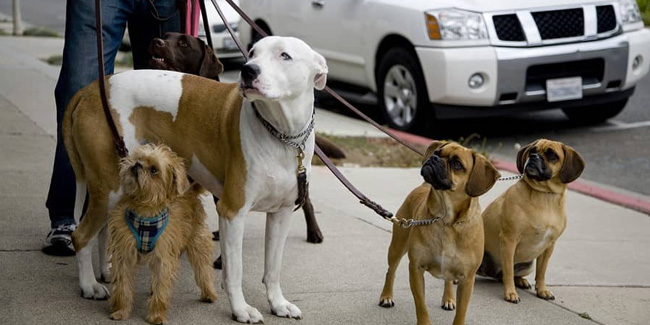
(523, 224)
(451, 248)
(170, 219)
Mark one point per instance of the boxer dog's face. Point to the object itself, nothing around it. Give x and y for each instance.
(545, 160)
(282, 68)
(449, 166)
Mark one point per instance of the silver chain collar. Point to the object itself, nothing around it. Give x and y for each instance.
(284, 138)
(408, 223)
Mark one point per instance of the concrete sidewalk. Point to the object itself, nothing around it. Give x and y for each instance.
(600, 265)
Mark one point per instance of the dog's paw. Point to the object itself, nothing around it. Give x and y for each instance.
(156, 319)
(120, 315)
(248, 315)
(286, 309)
(96, 291)
(209, 297)
(386, 302)
(314, 236)
(545, 294)
(522, 283)
(512, 297)
(448, 304)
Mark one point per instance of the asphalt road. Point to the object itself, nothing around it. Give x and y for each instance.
(617, 152)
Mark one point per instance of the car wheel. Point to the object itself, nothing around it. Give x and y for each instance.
(401, 90)
(593, 114)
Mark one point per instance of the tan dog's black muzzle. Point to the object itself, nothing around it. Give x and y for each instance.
(435, 173)
(536, 168)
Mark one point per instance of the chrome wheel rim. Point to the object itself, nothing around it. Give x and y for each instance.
(400, 95)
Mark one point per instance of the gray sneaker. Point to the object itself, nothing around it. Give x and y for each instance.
(59, 241)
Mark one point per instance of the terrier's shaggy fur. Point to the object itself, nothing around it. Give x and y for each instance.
(154, 178)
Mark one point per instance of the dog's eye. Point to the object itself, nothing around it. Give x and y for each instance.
(551, 155)
(182, 44)
(153, 170)
(285, 56)
(456, 164)
(251, 53)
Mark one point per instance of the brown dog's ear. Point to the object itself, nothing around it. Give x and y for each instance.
(432, 147)
(572, 166)
(482, 177)
(211, 67)
(522, 155)
(180, 182)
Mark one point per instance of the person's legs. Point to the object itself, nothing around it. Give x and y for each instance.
(150, 22)
(79, 68)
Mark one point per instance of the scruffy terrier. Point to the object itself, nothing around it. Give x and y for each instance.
(158, 217)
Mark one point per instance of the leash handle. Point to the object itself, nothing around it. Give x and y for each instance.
(117, 139)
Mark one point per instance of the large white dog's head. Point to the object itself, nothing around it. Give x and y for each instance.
(282, 68)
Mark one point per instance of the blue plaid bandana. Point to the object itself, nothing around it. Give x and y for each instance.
(146, 230)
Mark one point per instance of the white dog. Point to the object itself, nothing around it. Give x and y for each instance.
(244, 150)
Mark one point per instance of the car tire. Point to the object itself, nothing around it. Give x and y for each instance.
(401, 91)
(594, 114)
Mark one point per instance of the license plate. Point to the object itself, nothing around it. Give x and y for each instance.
(563, 89)
(229, 44)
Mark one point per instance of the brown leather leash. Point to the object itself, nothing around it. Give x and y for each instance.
(117, 139)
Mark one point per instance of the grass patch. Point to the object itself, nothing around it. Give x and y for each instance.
(386, 152)
(644, 7)
(3, 32)
(40, 32)
(373, 152)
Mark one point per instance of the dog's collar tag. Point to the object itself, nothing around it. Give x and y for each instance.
(146, 230)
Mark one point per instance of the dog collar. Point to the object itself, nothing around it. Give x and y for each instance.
(289, 140)
(146, 230)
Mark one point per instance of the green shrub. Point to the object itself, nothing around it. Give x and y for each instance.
(644, 6)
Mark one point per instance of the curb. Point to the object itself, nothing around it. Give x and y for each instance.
(585, 188)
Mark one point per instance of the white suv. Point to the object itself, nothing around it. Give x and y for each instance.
(460, 58)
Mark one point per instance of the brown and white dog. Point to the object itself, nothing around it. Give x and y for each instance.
(184, 53)
(451, 247)
(158, 217)
(523, 224)
(225, 145)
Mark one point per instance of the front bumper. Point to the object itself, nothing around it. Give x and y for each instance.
(516, 76)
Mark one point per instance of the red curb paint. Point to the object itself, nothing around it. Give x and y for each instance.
(577, 186)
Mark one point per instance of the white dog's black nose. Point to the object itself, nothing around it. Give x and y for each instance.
(249, 72)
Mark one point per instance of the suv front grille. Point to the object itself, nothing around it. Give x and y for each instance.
(591, 71)
(606, 18)
(560, 23)
(508, 28)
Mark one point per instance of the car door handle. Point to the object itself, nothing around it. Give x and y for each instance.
(318, 3)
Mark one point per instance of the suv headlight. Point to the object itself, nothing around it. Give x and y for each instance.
(630, 12)
(454, 24)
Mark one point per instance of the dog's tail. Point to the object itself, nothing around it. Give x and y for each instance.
(68, 136)
(195, 190)
(330, 149)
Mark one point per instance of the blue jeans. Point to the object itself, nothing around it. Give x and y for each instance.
(79, 68)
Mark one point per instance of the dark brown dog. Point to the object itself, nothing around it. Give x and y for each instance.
(184, 53)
